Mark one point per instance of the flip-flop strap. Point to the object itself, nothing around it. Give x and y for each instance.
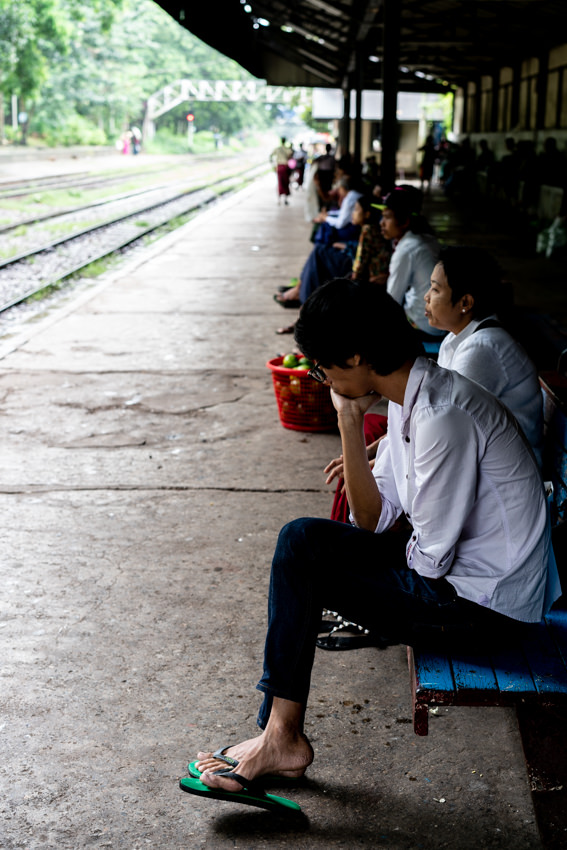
(227, 759)
(247, 784)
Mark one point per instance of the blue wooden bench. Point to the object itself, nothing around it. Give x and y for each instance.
(531, 677)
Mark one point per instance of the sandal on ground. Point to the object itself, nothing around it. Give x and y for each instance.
(251, 794)
(289, 303)
(288, 329)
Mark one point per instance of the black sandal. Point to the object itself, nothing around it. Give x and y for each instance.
(337, 642)
(288, 303)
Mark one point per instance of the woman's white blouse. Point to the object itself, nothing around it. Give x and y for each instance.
(496, 361)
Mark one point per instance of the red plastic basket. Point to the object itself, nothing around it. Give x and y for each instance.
(303, 404)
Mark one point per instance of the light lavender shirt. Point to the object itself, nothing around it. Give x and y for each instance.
(456, 463)
(492, 358)
(341, 217)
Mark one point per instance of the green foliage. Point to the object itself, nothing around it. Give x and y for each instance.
(445, 101)
(167, 141)
(85, 70)
(76, 130)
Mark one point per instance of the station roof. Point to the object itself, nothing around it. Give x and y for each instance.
(314, 43)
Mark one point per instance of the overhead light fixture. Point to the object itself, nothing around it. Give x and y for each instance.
(320, 4)
(306, 34)
(374, 59)
(263, 22)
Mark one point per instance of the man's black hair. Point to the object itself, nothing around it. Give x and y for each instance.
(343, 318)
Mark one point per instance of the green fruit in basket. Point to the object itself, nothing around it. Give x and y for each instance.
(290, 361)
(305, 361)
(304, 366)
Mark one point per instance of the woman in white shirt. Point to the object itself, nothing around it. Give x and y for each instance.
(464, 298)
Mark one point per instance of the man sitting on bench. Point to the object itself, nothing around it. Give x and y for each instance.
(478, 562)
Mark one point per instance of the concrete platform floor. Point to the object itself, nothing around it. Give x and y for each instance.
(145, 477)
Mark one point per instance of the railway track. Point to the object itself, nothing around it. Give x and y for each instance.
(43, 268)
(58, 182)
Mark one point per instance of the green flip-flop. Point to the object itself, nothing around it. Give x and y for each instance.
(249, 796)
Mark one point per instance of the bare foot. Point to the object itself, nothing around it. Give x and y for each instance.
(275, 753)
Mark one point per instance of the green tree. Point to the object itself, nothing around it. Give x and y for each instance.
(33, 33)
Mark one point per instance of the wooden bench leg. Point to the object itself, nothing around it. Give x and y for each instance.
(420, 710)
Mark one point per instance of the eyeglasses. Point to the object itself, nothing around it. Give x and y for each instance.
(317, 374)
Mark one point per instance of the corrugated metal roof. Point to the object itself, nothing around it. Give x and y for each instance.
(316, 43)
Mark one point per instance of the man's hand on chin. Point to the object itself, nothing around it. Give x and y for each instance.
(357, 405)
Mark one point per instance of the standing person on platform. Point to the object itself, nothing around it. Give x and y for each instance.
(300, 157)
(478, 563)
(427, 165)
(280, 157)
(326, 168)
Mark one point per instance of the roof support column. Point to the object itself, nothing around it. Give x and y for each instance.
(392, 19)
(344, 123)
(358, 110)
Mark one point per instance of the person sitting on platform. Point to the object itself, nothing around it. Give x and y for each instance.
(477, 565)
(415, 251)
(335, 225)
(465, 297)
(365, 259)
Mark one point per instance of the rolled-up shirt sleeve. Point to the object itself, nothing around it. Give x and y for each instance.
(445, 470)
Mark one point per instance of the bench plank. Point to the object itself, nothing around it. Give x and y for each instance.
(512, 672)
(547, 666)
(473, 673)
(433, 672)
(557, 622)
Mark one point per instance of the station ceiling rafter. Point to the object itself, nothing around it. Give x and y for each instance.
(443, 43)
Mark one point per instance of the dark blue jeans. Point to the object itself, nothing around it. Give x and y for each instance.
(319, 563)
(323, 263)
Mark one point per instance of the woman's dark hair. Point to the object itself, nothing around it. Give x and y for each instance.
(406, 201)
(342, 318)
(472, 271)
